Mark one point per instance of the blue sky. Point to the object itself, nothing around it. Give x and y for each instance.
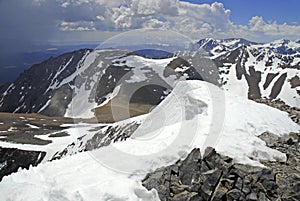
(242, 11)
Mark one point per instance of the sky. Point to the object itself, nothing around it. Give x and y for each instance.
(25, 23)
(29, 24)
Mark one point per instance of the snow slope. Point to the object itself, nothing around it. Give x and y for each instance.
(195, 114)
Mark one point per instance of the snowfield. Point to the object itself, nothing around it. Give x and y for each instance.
(195, 114)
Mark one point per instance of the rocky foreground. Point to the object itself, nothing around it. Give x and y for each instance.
(217, 177)
(287, 174)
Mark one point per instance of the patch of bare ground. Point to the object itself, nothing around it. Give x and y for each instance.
(25, 128)
(118, 110)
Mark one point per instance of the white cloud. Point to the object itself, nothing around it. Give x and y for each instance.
(77, 26)
(195, 20)
(154, 23)
(257, 24)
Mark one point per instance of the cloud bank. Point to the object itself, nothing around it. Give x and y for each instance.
(195, 20)
(44, 20)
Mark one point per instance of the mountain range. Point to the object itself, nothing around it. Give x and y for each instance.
(94, 77)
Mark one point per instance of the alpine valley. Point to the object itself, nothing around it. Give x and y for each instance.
(218, 122)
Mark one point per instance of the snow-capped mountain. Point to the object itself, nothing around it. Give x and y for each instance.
(215, 47)
(262, 70)
(86, 83)
(76, 84)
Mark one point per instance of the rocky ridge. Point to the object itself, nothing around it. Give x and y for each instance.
(217, 177)
(104, 137)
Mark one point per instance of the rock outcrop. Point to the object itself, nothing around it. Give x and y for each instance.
(12, 159)
(104, 137)
(217, 177)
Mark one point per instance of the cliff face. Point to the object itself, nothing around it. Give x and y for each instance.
(12, 159)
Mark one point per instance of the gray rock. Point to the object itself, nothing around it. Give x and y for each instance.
(190, 167)
(261, 197)
(239, 183)
(221, 180)
(235, 194)
(220, 194)
(252, 197)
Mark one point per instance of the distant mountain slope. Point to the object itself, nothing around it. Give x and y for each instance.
(76, 84)
(215, 47)
(262, 71)
(11, 66)
(31, 92)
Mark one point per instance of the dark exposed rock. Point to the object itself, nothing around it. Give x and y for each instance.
(49, 87)
(258, 67)
(295, 81)
(112, 134)
(235, 194)
(253, 80)
(12, 159)
(60, 134)
(269, 79)
(104, 137)
(27, 129)
(59, 101)
(188, 166)
(217, 177)
(151, 91)
(278, 86)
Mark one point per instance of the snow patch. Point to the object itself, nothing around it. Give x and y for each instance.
(33, 126)
(45, 106)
